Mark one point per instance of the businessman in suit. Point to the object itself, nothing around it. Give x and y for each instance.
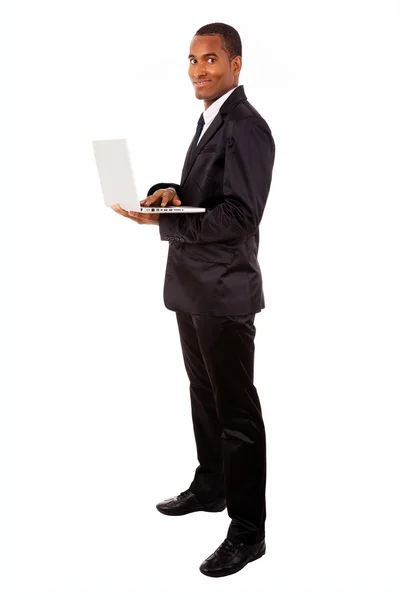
(213, 282)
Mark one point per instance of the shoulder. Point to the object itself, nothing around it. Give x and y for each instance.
(245, 117)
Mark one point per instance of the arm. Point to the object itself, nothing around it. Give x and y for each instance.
(248, 172)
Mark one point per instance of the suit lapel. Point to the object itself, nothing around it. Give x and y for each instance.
(193, 152)
(237, 96)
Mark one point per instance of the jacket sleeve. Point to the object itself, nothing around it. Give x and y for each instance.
(249, 162)
(159, 186)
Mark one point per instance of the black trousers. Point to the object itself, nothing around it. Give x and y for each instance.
(218, 354)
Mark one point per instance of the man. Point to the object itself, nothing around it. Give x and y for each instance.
(213, 282)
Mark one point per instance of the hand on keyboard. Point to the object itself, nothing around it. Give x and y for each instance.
(162, 197)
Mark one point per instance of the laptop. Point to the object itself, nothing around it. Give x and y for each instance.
(117, 180)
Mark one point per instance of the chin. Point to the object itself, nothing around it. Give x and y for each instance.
(203, 93)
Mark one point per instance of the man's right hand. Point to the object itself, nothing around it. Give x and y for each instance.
(161, 198)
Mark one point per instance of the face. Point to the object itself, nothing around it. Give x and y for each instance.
(208, 62)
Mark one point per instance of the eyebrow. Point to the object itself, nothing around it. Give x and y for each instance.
(209, 54)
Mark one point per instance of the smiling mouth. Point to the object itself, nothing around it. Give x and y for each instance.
(201, 83)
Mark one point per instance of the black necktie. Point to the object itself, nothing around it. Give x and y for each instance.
(200, 124)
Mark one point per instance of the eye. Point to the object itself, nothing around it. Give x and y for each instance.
(210, 58)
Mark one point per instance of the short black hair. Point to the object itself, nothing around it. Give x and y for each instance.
(230, 39)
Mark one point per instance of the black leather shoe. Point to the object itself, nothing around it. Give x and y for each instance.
(187, 502)
(230, 557)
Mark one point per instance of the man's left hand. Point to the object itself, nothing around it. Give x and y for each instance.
(139, 217)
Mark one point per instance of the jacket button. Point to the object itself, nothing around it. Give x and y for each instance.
(167, 237)
(182, 239)
(177, 239)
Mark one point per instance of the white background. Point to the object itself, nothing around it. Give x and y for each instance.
(98, 428)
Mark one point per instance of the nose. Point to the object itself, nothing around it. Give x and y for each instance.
(199, 70)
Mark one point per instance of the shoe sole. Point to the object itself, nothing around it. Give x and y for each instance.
(186, 512)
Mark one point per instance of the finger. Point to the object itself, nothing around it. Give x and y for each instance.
(167, 195)
(176, 201)
(152, 199)
(119, 210)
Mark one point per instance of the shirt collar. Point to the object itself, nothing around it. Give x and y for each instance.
(212, 110)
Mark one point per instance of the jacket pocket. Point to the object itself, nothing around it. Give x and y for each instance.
(209, 253)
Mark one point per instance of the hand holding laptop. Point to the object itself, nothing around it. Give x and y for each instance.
(118, 184)
(138, 217)
(160, 197)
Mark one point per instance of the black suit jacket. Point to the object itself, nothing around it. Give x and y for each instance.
(212, 266)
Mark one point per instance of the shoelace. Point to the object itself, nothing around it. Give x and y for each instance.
(227, 547)
(183, 495)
